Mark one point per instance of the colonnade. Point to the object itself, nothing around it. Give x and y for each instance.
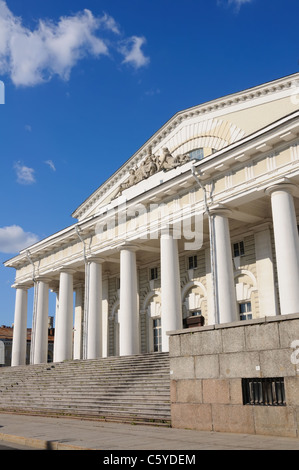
(287, 258)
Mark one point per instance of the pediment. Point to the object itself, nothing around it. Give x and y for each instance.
(186, 142)
(205, 129)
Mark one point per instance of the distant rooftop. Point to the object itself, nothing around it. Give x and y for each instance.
(6, 332)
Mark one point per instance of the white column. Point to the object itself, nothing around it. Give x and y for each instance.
(210, 288)
(56, 291)
(40, 354)
(94, 325)
(171, 304)
(128, 318)
(265, 274)
(105, 313)
(226, 308)
(286, 246)
(19, 344)
(78, 326)
(64, 321)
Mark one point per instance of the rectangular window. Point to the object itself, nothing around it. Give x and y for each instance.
(153, 273)
(264, 391)
(157, 335)
(195, 313)
(192, 262)
(238, 249)
(245, 311)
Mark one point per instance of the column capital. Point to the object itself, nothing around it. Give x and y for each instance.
(129, 247)
(65, 269)
(169, 231)
(21, 286)
(95, 259)
(220, 209)
(284, 186)
(44, 279)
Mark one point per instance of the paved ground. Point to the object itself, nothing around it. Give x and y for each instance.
(13, 446)
(67, 434)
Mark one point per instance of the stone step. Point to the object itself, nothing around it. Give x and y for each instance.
(56, 404)
(117, 361)
(119, 416)
(148, 369)
(94, 378)
(149, 390)
(98, 372)
(80, 398)
(83, 373)
(154, 412)
(109, 385)
(108, 417)
(148, 406)
(118, 388)
(100, 394)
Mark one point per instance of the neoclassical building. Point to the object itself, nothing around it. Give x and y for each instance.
(199, 225)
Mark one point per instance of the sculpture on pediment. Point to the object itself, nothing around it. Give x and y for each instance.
(168, 162)
(152, 164)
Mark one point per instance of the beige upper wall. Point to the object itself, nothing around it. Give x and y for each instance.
(259, 116)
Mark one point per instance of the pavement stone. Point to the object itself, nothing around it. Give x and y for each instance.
(60, 433)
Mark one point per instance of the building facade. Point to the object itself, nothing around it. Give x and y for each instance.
(199, 225)
(6, 335)
(6, 341)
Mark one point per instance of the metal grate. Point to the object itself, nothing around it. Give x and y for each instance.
(264, 391)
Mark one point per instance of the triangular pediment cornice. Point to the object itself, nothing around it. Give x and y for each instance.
(209, 110)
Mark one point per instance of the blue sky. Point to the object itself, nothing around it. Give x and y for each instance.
(87, 82)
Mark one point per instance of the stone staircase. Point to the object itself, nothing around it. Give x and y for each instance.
(131, 389)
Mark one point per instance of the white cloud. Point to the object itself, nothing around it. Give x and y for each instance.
(109, 23)
(238, 3)
(153, 92)
(235, 3)
(14, 238)
(131, 49)
(51, 164)
(25, 175)
(34, 56)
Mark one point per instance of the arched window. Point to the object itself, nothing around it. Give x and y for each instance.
(197, 154)
(200, 153)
